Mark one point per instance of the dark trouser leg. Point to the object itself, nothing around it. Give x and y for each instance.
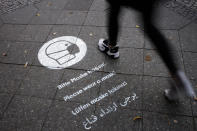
(113, 23)
(160, 42)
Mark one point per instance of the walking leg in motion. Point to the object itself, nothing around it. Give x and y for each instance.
(109, 46)
(181, 82)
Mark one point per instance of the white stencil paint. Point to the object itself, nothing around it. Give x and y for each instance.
(58, 53)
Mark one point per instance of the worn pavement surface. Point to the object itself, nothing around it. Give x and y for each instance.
(31, 101)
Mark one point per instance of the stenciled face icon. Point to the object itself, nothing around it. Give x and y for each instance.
(61, 51)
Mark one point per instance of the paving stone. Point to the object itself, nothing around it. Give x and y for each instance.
(60, 116)
(78, 5)
(153, 90)
(193, 101)
(4, 47)
(156, 121)
(154, 65)
(20, 16)
(91, 35)
(167, 19)
(130, 62)
(64, 30)
(121, 120)
(1, 22)
(45, 17)
(188, 38)
(195, 127)
(21, 52)
(11, 32)
(96, 18)
(72, 17)
(25, 113)
(130, 18)
(92, 58)
(190, 61)
(12, 77)
(40, 82)
(37, 33)
(99, 5)
(171, 35)
(131, 37)
(134, 86)
(4, 100)
(51, 4)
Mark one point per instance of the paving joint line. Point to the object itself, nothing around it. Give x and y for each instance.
(14, 93)
(142, 91)
(185, 25)
(83, 25)
(186, 73)
(119, 73)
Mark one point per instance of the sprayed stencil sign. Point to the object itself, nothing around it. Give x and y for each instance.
(62, 52)
(90, 120)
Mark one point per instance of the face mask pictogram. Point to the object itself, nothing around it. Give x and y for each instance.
(62, 52)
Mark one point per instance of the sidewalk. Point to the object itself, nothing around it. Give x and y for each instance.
(97, 93)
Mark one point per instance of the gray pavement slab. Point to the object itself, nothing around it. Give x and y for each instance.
(91, 35)
(72, 17)
(63, 30)
(193, 101)
(4, 47)
(20, 16)
(153, 90)
(154, 65)
(60, 116)
(20, 52)
(1, 22)
(167, 19)
(131, 38)
(36, 33)
(45, 17)
(96, 18)
(12, 76)
(31, 100)
(130, 62)
(99, 5)
(11, 32)
(171, 35)
(195, 127)
(40, 82)
(74, 87)
(188, 37)
(155, 121)
(78, 5)
(190, 61)
(51, 4)
(130, 18)
(25, 113)
(4, 100)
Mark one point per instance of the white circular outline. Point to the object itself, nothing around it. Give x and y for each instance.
(50, 63)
